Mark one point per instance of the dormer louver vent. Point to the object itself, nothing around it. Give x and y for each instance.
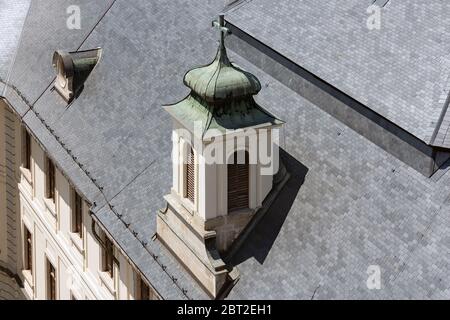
(72, 70)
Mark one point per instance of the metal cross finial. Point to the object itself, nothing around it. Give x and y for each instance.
(223, 31)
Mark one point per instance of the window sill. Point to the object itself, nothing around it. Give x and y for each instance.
(242, 211)
(77, 241)
(50, 205)
(188, 205)
(28, 278)
(108, 281)
(26, 173)
(76, 294)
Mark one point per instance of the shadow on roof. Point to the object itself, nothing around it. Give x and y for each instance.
(261, 239)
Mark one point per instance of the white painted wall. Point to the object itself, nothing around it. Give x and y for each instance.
(211, 182)
(77, 260)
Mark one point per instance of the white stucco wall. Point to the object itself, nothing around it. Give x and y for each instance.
(211, 179)
(77, 260)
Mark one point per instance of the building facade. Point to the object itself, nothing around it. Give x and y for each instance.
(60, 251)
(93, 207)
(48, 236)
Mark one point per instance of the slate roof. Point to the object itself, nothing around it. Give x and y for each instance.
(12, 17)
(348, 204)
(117, 132)
(400, 71)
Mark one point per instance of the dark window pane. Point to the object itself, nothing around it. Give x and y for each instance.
(51, 281)
(145, 295)
(77, 214)
(50, 180)
(145, 292)
(108, 257)
(27, 151)
(28, 246)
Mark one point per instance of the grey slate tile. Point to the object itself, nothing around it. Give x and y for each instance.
(357, 205)
(398, 71)
(12, 18)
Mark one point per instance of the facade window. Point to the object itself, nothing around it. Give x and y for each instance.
(238, 183)
(144, 291)
(51, 281)
(26, 150)
(108, 257)
(50, 180)
(190, 176)
(28, 250)
(77, 214)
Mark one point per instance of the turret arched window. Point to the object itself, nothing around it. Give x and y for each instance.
(238, 182)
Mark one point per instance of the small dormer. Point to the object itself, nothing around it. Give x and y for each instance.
(72, 70)
(219, 177)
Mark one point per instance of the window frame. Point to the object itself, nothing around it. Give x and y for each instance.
(51, 279)
(148, 294)
(50, 180)
(108, 257)
(28, 250)
(26, 149)
(77, 214)
(144, 290)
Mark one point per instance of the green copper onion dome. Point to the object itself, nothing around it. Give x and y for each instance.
(221, 80)
(221, 97)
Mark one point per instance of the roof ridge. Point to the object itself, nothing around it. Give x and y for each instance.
(444, 111)
(234, 5)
